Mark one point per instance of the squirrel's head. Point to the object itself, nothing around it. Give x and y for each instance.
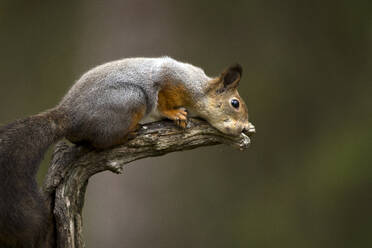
(224, 108)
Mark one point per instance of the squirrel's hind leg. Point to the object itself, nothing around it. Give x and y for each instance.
(120, 131)
(112, 123)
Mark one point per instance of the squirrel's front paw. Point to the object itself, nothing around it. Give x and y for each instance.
(179, 116)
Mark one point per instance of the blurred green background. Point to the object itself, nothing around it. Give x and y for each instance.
(305, 182)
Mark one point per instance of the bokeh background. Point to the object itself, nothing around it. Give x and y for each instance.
(305, 182)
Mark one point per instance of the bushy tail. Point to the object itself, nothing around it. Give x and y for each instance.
(24, 217)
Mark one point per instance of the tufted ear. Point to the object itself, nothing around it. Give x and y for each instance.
(231, 76)
(229, 79)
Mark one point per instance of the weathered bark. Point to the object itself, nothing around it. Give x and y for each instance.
(72, 166)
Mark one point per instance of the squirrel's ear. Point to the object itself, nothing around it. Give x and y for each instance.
(231, 76)
(229, 79)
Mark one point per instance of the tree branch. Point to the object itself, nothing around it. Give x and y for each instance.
(72, 166)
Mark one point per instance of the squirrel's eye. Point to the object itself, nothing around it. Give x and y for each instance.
(235, 103)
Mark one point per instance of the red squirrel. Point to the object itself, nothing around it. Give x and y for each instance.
(101, 109)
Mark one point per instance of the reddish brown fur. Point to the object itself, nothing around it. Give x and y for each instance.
(171, 98)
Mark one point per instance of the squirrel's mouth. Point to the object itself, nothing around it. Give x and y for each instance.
(250, 130)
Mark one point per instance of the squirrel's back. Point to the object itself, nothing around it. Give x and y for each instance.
(146, 73)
